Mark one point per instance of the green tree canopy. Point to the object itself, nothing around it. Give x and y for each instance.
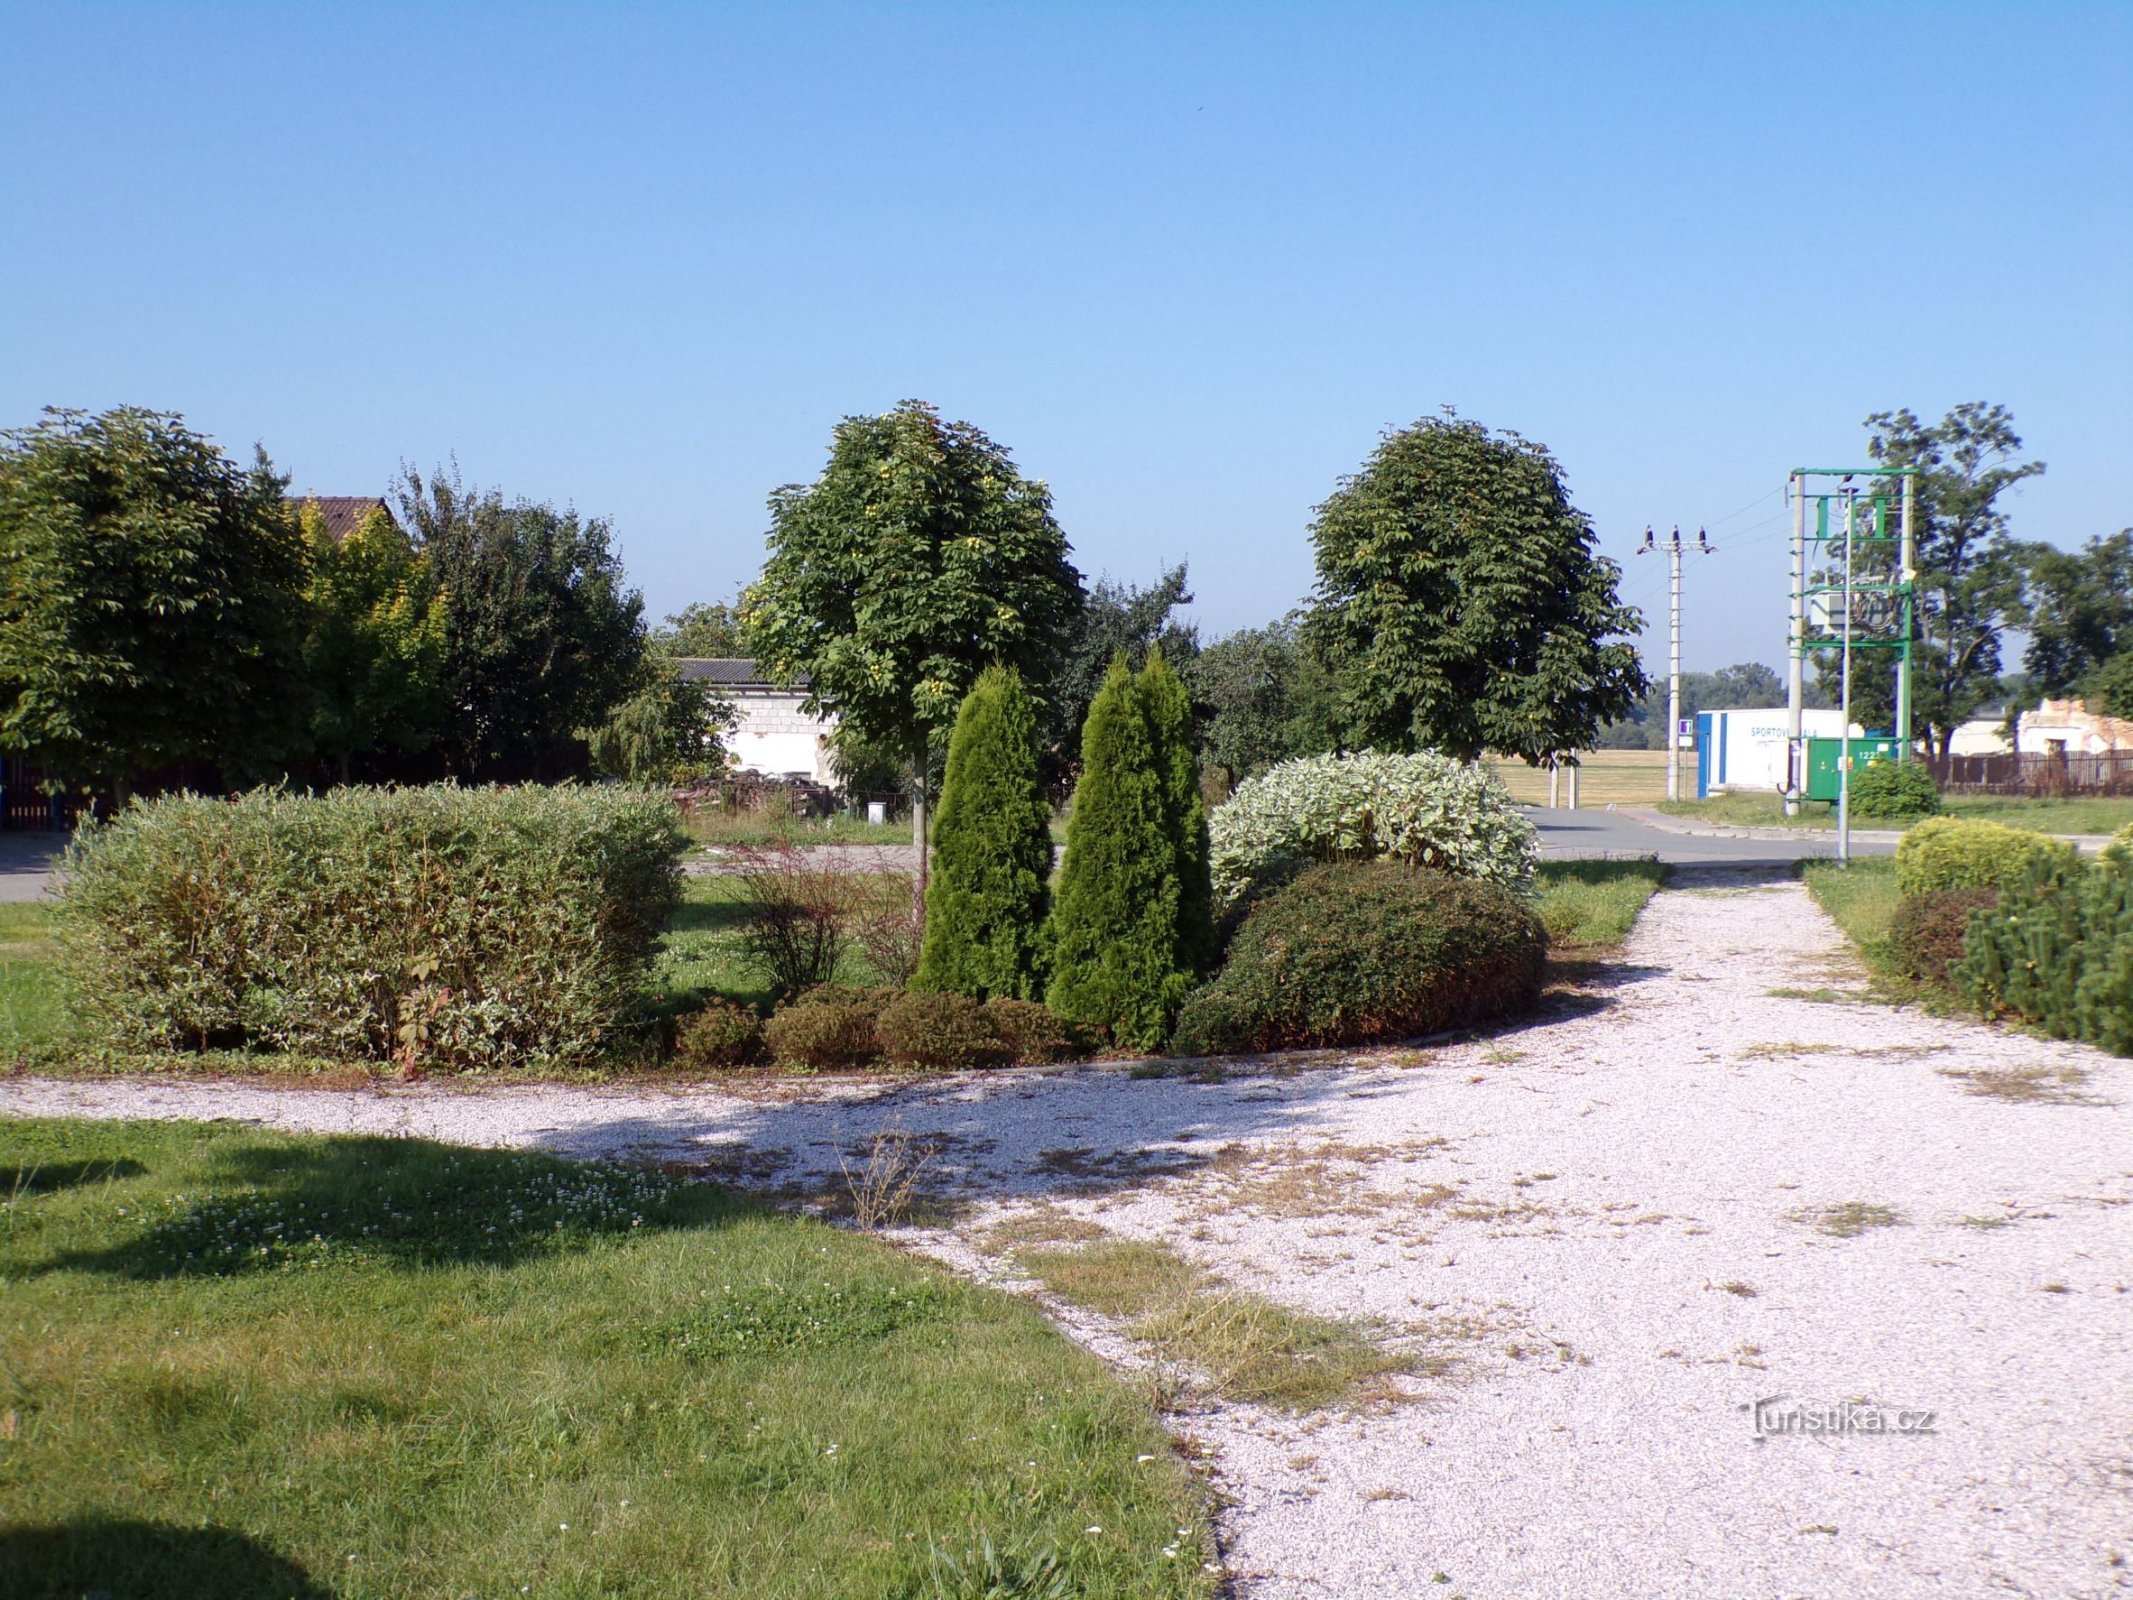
(986, 904)
(1264, 699)
(667, 731)
(919, 557)
(544, 637)
(374, 641)
(702, 631)
(2077, 607)
(1462, 604)
(1969, 570)
(1119, 618)
(1168, 708)
(151, 596)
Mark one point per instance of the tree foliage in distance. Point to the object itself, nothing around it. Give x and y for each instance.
(2077, 607)
(374, 642)
(1265, 699)
(1168, 708)
(2109, 689)
(1462, 604)
(1969, 571)
(987, 900)
(545, 638)
(1132, 619)
(919, 557)
(667, 731)
(1746, 685)
(702, 632)
(1115, 957)
(150, 600)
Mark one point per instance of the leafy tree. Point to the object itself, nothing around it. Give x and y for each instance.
(919, 557)
(701, 632)
(1462, 605)
(1969, 572)
(1266, 700)
(374, 643)
(1115, 920)
(1118, 617)
(543, 636)
(986, 904)
(150, 600)
(667, 731)
(2077, 607)
(2109, 689)
(1168, 708)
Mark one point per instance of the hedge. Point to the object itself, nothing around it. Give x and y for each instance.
(1970, 853)
(2057, 951)
(436, 927)
(1894, 790)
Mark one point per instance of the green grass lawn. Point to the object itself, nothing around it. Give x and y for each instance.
(29, 1001)
(714, 828)
(1592, 905)
(235, 1363)
(703, 952)
(1761, 810)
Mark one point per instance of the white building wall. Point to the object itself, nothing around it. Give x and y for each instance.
(1750, 751)
(773, 736)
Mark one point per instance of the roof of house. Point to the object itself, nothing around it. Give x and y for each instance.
(344, 513)
(731, 672)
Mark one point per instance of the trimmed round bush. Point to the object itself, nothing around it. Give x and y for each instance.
(1894, 790)
(1035, 1034)
(1357, 951)
(940, 1029)
(722, 1034)
(1927, 931)
(1970, 853)
(829, 1028)
(1424, 809)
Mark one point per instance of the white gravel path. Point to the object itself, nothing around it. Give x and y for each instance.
(1573, 1209)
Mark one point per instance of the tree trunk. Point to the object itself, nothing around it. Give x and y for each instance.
(918, 820)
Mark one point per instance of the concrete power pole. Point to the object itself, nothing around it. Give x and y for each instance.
(1673, 653)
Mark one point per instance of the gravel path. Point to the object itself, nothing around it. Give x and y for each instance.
(1606, 1219)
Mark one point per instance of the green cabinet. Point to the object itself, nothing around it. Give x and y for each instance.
(1823, 755)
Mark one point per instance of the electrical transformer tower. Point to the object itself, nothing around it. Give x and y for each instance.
(1854, 587)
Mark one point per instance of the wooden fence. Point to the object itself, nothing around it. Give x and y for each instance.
(2048, 775)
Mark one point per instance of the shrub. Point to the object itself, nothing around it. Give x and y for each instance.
(1927, 930)
(940, 1029)
(1168, 707)
(2057, 951)
(1894, 789)
(801, 912)
(1969, 853)
(1357, 951)
(439, 927)
(722, 1034)
(2120, 849)
(1036, 1036)
(1115, 957)
(992, 858)
(888, 920)
(1425, 809)
(830, 1027)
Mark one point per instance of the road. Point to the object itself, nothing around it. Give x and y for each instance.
(1570, 835)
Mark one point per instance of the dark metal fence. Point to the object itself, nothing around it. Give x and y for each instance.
(2051, 774)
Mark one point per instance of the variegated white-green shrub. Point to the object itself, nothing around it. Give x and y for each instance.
(1425, 808)
(436, 927)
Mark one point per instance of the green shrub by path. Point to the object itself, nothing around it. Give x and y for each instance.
(1968, 853)
(1425, 809)
(718, 1035)
(481, 1371)
(830, 1028)
(1894, 790)
(940, 1031)
(992, 851)
(1357, 951)
(2056, 950)
(1034, 1033)
(1169, 710)
(1114, 958)
(1925, 936)
(437, 927)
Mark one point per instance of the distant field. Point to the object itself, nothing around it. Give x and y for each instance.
(1605, 777)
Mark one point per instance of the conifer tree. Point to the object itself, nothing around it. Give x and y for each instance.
(1115, 922)
(992, 852)
(1168, 707)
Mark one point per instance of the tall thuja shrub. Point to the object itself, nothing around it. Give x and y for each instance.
(1115, 922)
(1168, 708)
(992, 851)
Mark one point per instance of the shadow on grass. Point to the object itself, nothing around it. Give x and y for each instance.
(125, 1560)
(48, 1176)
(273, 1205)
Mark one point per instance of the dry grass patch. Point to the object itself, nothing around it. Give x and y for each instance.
(1044, 1225)
(2054, 1086)
(1847, 1219)
(1241, 1345)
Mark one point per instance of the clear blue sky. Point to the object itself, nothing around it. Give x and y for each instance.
(1186, 261)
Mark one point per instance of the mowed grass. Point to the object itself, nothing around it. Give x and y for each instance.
(1765, 810)
(30, 1011)
(234, 1363)
(704, 950)
(716, 828)
(1590, 906)
(1862, 899)
(1605, 777)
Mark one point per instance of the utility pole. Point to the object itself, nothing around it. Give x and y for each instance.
(1796, 674)
(1844, 739)
(1673, 654)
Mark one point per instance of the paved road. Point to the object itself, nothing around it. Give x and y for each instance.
(25, 862)
(1569, 835)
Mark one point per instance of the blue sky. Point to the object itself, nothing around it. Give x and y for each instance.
(1186, 261)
